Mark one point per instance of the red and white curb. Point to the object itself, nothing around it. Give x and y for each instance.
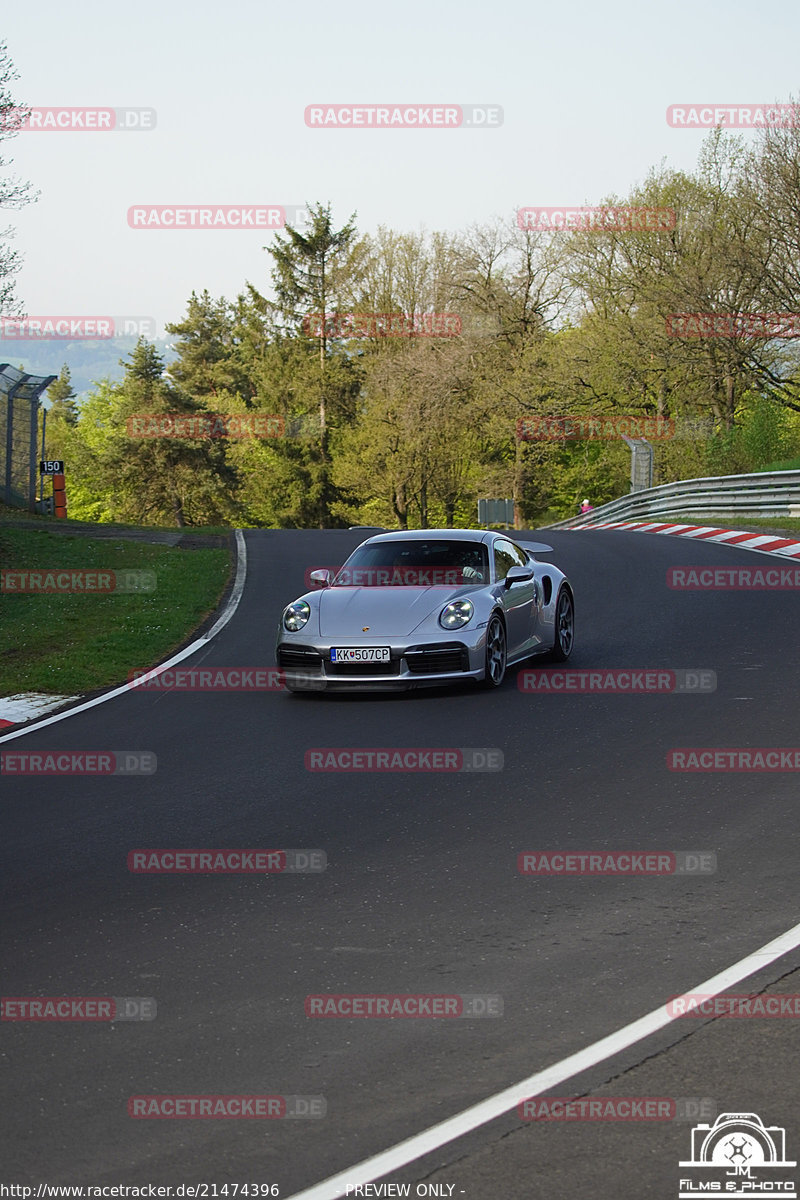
(766, 543)
(15, 710)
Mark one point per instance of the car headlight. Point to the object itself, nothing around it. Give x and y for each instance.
(296, 616)
(456, 614)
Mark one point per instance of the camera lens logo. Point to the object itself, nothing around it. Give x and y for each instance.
(741, 1150)
(738, 1155)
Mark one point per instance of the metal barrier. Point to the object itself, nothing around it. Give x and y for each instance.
(19, 414)
(771, 494)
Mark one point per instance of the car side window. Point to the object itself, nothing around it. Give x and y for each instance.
(504, 560)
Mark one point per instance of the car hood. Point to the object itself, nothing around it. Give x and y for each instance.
(388, 611)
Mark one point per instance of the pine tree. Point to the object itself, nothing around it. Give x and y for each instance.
(61, 395)
(207, 362)
(313, 274)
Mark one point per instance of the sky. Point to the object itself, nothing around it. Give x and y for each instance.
(583, 88)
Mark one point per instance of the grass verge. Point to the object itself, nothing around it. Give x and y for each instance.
(66, 644)
(776, 525)
(788, 464)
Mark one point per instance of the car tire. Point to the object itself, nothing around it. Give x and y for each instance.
(563, 626)
(496, 653)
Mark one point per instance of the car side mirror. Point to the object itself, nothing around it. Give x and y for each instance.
(320, 579)
(518, 575)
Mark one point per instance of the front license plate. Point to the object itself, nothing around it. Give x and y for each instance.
(360, 654)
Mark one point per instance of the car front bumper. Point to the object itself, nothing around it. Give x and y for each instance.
(307, 665)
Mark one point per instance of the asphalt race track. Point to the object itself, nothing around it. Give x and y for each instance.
(421, 895)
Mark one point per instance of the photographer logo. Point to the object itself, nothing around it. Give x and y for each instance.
(737, 1156)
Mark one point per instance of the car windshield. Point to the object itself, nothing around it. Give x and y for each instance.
(415, 563)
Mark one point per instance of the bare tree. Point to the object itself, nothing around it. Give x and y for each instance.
(773, 190)
(13, 193)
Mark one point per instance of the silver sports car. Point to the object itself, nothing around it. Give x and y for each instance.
(427, 607)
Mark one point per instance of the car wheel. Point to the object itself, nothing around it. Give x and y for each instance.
(496, 653)
(564, 627)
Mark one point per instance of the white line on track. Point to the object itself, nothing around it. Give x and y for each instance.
(198, 644)
(495, 1106)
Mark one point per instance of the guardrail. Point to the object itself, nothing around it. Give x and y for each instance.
(763, 494)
